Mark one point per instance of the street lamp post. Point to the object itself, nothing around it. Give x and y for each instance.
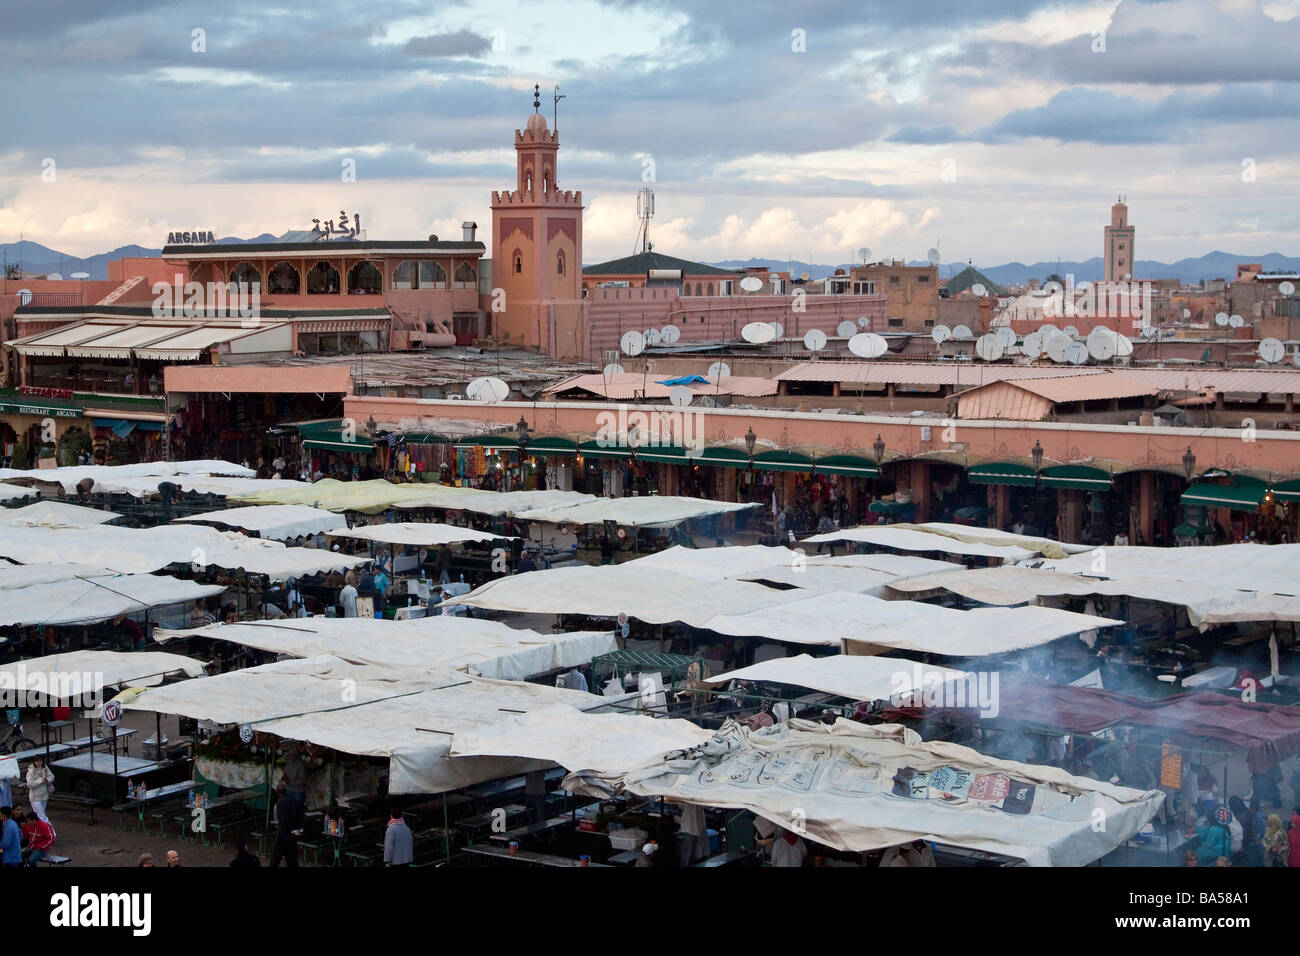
(1037, 454)
(1189, 463)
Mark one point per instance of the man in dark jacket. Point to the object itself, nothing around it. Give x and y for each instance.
(288, 818)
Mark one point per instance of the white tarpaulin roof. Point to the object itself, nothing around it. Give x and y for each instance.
(379, 495)
(417, 534)
(199, 484)
(107, 669)
(652, 594)
(856, 787)
(274, 522)
(650, 511)
(486, 648)
(864, 573)
(25, 575)
(86, 600)
(141, 550)
(1207, 602)
(409, 717)
(610, 743)
(962, 532)
(851, 676)
(979, 632)
(56, 513)
(909, 539)
(10, 492)
(106, 475)
(1261, 568)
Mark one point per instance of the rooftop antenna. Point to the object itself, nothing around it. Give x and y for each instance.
(645, 210)
(555, 109)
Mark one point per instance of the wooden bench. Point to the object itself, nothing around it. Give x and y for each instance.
(91, 802)
(54, 860)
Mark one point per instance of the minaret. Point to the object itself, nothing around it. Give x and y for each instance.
(1118, 244)
(537, 244)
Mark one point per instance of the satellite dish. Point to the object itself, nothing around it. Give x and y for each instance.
(865, 253)
(1101, 347)
(868, 345)
(751, 283)
(680, 396)
(1236, 321)
(814, 340)
(1006, 335)
(54, 277)
(845, 330)
(1286, 288)
(1033, 344)
(669, 334)
(940, 334)
(24, 296)
(79, 275)
(989, 348)
(1057, 346)
(1123, 346)
(1101, 332)
(1221, 318)
(779, 329)
(632, 343)
(1272, 350)
(1295, 357)
(757, 333)
(864, 322)
(1147, 331)
(962, 332)
(1072, 331)
(1076, 353)
(933, 257)
(489, 389)
(609, 371)
(1187, 313)
(979, 290)
(651, 337)
(1048, 330)
(719, 370)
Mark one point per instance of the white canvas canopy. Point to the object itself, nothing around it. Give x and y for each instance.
(910, 539)
(141, 550)
(1048, 547)
(979, 632)
(10, 492)
(107, 476)
(1255, 568)
(650, 512)
(851, 676)
(273, 522)
(610, 743)
(408, 717)
(79, 673)
(485, 648)
(25, 575)
(1207, 601)
(856, 787)
(372, 497)
(87, 600)
(56, 513)
(417, 534)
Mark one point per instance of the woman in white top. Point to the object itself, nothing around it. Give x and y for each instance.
(40, 783)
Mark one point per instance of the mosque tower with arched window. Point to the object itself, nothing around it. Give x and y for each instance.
(537, 248)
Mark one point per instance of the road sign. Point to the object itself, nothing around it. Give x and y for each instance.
(112, 713)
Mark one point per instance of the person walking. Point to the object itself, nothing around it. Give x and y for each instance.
(1277, 849)
(399, 843)
(11, 839)
(40, 784)
(288, 819)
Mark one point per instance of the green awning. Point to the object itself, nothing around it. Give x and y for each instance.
(1243, 494)
(783, 461)
(722, 457)
(502, 440)
(666, 454)
(854, 466)
(552, 445)
(335, 440)
(883, 507)
(598, 449)
(1079, 477)
(1002, 473)
(1287, 490)
(46, 408)
(1191, 531)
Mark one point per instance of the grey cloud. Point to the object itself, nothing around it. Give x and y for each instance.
(460, 43)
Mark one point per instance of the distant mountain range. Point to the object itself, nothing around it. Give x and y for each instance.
(35, 257)
(1213, 265)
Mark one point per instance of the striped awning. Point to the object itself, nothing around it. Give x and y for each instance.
(1002, 473)
(778, 460)
(1077, 477)
(1242, 494)
(552, 445)
(854, 466)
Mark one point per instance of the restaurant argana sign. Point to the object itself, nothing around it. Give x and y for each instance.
(50, 411)
(190, 238)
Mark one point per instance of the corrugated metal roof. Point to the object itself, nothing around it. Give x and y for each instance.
(627, 384)
(1198, 378)
(1085, 388)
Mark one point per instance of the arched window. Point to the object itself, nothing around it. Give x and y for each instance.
(528, 179)
(404, 276)
(710, 288)
(466, 277)
(699, 289)
(247, 273)
(518, 261)
(546, 180)
(322, 279)
(432, 275)
(283, 279)
(559, 264)
(364, 278)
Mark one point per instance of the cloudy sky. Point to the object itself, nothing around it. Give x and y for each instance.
(1000, 130)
